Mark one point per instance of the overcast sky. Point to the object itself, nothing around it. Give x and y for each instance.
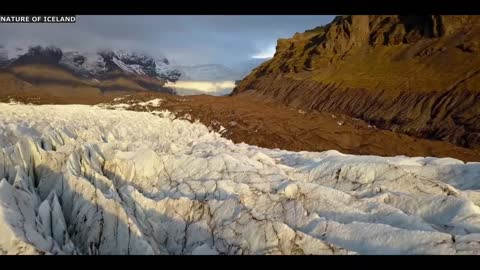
(182, 39)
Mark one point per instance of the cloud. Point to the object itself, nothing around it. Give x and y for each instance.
(183, 39)
(204, 86)
(266, 53)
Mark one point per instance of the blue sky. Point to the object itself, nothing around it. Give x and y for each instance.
(184, 39)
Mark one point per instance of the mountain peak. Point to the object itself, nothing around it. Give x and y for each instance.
(91, 64)
(414, 74)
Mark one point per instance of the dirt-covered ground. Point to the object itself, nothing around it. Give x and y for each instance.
(257, 122)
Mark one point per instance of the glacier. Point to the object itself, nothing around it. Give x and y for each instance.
(78, 179)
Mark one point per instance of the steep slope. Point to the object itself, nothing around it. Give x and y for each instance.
(414, 74)
(87, 180)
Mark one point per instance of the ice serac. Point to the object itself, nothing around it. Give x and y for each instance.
(106, 180)
(413, 74)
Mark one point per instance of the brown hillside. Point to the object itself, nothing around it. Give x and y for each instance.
(60, 85)
(414, 74)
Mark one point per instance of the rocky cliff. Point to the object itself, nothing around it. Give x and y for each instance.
(414, 74)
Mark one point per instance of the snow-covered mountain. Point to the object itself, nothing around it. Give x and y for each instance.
(92, 64)
(212, 79)
(90, 180)
(84, 63)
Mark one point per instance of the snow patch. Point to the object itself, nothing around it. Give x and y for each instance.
(154, 102)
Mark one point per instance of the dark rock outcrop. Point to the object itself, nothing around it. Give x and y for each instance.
(39, 55)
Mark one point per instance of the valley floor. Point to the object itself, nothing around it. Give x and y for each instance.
(81, 179)
(258, 122)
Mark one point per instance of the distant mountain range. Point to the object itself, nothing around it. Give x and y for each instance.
(95, 65)
(49, 68)
(107, 64)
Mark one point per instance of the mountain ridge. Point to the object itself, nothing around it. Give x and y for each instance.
(105, 70)
(95, 65)
(415, 74)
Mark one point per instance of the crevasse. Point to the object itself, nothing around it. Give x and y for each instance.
(79, 179)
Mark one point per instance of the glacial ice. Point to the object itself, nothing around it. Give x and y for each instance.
(79, 179)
